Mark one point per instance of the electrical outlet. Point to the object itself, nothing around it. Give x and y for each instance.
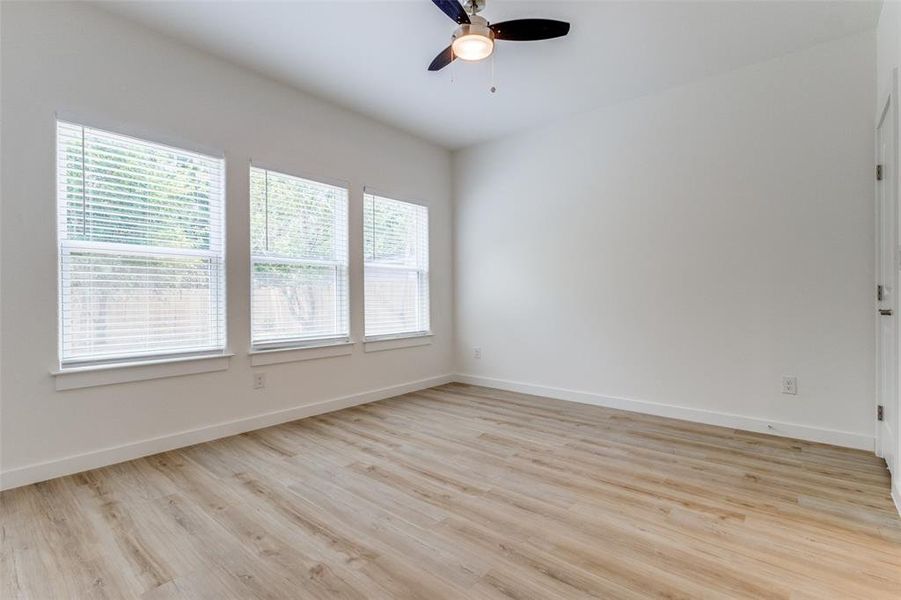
(259, 381)
(477, 353)
(790, 385)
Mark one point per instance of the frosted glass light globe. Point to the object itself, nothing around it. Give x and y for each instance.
(473, 46)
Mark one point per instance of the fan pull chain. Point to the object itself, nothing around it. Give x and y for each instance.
(493, 88)
(453, 66)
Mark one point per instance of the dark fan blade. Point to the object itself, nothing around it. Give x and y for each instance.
(527, 30)
(453, 9)
(444, 58)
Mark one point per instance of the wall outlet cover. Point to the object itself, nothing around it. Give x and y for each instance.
(259, 381)
(790, 385)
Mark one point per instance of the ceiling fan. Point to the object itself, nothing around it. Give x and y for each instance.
(474, 39)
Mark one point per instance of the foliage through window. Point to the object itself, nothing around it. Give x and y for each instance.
(141, 253)
(396, 267)
(298, 260)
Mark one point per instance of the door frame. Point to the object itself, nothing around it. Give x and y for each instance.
(890, 102)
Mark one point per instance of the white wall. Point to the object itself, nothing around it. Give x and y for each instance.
(77, 59)
(687, 249)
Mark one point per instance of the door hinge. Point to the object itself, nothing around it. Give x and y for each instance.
(880, 413)
(880, 292)
(878, 172)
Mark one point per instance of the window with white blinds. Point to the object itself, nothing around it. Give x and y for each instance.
(141, 253)
(298, 261)
(396, 267)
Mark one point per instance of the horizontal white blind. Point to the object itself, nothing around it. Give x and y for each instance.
(299, 260)
(141, 252)
(396, 266)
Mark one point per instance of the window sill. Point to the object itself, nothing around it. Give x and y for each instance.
(274, 356)
(73, 378)
(378, 344)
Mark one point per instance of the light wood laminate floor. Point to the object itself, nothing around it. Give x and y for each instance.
(464, 492)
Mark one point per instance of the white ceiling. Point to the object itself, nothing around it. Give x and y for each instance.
(372, 56)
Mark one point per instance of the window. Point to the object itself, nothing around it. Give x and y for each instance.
(396, 267)
(298, 261)
(141, 255)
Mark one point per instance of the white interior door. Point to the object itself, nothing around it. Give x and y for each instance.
(887, 265)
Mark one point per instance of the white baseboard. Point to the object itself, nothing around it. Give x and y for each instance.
(803, 432)
(107, 456)
(896, 495)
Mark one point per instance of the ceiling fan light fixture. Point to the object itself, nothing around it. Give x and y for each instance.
(473, 41)
(474, 38)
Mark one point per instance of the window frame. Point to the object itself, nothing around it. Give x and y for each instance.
(279, 351)
(131, 361)
(390, 341)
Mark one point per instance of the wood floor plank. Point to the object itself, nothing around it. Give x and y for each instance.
(464, 492)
